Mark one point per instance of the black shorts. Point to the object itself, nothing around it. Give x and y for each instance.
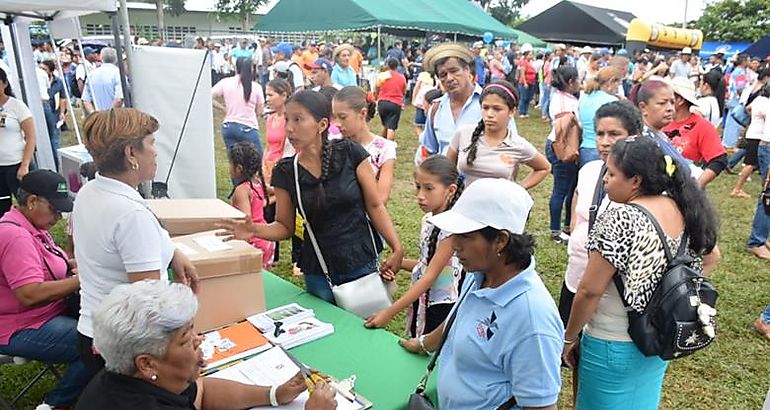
(390, 114)
(752, 157)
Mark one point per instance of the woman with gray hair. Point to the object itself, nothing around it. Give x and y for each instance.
(145, 333)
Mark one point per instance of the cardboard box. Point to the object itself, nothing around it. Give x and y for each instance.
(230, 274)
(188, 216)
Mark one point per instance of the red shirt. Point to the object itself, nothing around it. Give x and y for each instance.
(22, 256)
(695, 138)
(529, 77)
(393, 89)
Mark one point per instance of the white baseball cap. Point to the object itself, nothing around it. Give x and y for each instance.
(497, 203)
(526, 48)
(687, 50)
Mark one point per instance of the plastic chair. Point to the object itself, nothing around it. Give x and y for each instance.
(16, 360)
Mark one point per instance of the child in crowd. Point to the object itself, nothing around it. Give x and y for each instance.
(352, 113)
(250, 194)
(429, 98)
(437, 274)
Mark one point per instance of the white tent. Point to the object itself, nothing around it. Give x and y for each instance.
(59, 14)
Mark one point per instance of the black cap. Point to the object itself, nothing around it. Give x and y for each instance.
(49, 185)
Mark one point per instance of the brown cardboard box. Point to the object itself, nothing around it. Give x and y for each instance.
(230, 279)
(187, 216)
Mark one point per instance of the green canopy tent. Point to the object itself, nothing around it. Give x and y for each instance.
(398, 17)
(524, 37)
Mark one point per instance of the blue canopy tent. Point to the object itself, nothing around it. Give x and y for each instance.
(729, 48)
(759, 49)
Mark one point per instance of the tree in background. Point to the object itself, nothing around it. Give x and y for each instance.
(173, 7)
(504, 11)
(735, 20)
(243, 9)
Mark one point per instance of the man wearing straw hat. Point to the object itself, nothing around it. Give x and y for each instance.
(451, 64)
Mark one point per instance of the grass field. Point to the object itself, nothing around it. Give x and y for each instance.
(733, 373)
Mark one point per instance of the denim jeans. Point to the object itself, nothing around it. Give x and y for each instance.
(761, 225)
(545, 99)
(54, 342)
(316, 283)
(766, 315)
(51, 118)
(731, 129)
(233, 132)
(564, 182)
(736, 158)
(525, 95)
(587, 155)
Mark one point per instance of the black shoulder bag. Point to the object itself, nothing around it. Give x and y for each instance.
(419, 400)
(679, 317)
(73, 300)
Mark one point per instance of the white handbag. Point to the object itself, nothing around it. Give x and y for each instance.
(363, 296)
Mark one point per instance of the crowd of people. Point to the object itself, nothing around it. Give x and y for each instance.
(634, 142)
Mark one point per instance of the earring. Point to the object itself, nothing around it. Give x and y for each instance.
(154, 377)
(135, 166)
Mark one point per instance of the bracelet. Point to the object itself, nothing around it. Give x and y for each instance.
(273, 398)
(570, 341)
(421, 341)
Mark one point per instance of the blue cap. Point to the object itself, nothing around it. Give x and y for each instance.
(88, 50)
(622, 52)
(320, 63)
(283, 48)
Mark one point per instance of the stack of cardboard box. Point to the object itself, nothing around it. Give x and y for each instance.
(230, 272)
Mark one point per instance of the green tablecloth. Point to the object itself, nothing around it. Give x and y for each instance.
(385, 373)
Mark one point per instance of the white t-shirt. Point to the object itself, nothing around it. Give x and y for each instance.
(709, 108)
(115, 234)
(759, 110)
(297, 75)
(83, 69)
(42, 83)
(12, 141)
(381, 150)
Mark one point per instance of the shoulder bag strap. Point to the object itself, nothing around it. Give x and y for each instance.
(593, 211)
(313, 241)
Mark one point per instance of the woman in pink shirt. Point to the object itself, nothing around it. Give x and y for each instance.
(34, 281)
(243, 102)
(278, 146)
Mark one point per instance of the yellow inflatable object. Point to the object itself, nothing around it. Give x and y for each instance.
(658, 35)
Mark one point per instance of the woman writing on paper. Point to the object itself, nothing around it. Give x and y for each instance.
(153, 359)
(339, 191)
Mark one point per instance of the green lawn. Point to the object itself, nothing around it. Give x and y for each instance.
(731, 374)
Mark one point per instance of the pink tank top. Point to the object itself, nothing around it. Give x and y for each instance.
(276, 138)
(258, 199)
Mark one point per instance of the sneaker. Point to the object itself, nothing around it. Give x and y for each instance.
(556, 237)
(564, 236)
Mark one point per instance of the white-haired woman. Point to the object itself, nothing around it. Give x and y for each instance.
(144, 332)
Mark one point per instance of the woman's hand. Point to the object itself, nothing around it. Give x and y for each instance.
(242, 229)
(287, 392)
(379, 320)
(322, 397)
(23, 170)
(393, 263)
(184, 270)
(388, 275)
(73, 265)
(411, 345)
(570, 352)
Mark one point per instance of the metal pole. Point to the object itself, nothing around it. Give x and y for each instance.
(66, 89)
(684, 20)
(379, 42)
(127, 38)
(121, 68)
(13, 30)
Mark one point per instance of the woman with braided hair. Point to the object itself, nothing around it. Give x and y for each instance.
(339, 198)
(437, 273)
(491, 149)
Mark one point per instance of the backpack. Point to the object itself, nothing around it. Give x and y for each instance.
(288, 75)
(73, 84)
(679, 318)
(566, 144)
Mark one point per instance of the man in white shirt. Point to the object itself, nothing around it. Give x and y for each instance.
(103, 89)
(85, 68)
(682, 66)
(217, 63)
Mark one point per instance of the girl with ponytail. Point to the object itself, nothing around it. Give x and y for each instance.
(436, 274)
(490, 149)
(353, 109)
(339, 196)
(624, 241)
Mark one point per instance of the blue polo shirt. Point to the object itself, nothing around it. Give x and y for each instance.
(505, 342)
(437, 136)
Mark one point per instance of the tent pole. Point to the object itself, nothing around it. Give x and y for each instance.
(13, 30)
(126, 30)
(379, 42)
(66, 89)
(455, 37)
(121, 67)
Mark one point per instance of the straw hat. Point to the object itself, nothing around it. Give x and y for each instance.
(340, 48)
(684, 88)
(446, 50)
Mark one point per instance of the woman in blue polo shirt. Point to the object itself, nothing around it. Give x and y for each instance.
(505, 342)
